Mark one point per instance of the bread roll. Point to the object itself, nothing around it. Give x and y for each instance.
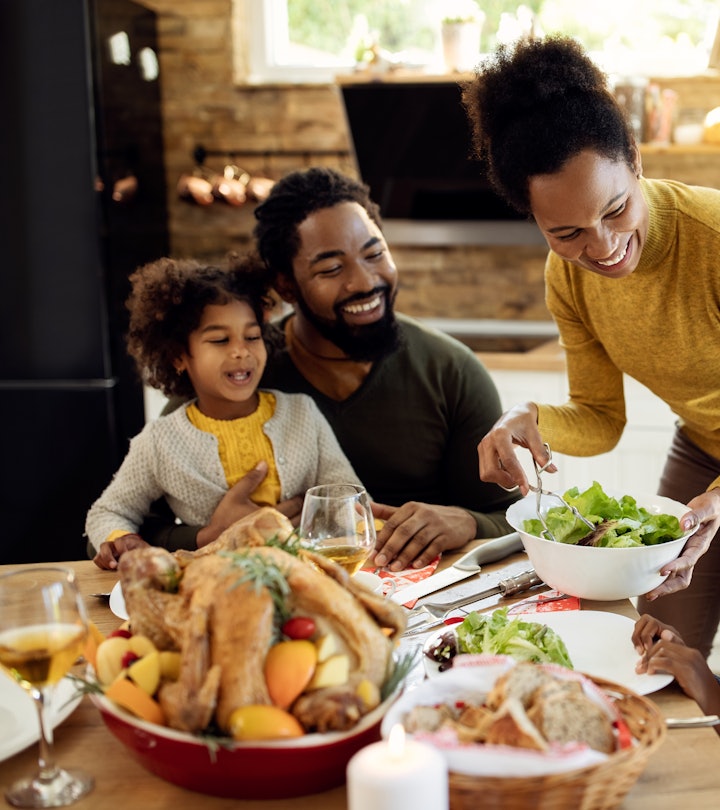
(519, 682)
(563, 717)
(512, 726)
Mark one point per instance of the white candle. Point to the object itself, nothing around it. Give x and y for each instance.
(399, 774)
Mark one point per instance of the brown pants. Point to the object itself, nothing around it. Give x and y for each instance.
(695, 611)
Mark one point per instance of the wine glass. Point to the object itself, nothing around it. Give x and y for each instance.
(338, 523)
(43, 628)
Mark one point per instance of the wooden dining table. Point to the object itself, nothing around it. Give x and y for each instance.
(683, 773)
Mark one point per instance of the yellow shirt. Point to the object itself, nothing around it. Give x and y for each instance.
(241, 444)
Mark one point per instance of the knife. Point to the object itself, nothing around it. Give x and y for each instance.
(507, 587)
(466, 566)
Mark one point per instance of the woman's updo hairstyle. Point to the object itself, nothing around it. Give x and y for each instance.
(534, 105)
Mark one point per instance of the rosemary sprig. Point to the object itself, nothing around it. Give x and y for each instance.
(261, 573)
(173, 578)
(399, 672)
(291, 544)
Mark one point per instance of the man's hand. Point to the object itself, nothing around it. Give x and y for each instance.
(496, 452)
(109, 553)
(705, 512)
(236, 504)
(415, 533)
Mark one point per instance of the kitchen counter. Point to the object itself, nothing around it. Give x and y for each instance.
(546, 357)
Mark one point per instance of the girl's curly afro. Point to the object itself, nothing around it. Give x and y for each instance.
(166, 304)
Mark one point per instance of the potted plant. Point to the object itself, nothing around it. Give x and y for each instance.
(461, 27)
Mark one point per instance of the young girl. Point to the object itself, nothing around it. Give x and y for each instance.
(197, 331)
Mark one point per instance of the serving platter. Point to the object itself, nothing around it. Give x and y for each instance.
(599, 644)
(18, 715)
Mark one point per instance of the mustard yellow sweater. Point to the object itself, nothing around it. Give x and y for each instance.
(660, 325)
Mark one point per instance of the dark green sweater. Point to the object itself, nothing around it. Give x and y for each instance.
(412, 428)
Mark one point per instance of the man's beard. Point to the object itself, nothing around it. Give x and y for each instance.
(365, 343)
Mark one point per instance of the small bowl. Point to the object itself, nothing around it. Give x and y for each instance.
(252, 770)
(602, 574)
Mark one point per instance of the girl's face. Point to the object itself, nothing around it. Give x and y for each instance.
(225, 359)
(592, 213)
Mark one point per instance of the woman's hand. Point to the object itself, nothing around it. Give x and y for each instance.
(705, 513)
(415, 533)
(498, 462)
(110, 552)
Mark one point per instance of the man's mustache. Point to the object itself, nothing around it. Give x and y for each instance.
(364, 296)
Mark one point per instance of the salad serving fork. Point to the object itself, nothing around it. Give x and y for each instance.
(539, 492)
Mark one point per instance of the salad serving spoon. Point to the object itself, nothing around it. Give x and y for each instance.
(537, 488)
(539, 492)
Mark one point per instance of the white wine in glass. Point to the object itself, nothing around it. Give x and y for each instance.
(338, 523)
(43, 628)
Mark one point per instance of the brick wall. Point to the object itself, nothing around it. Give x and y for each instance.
(290, 127)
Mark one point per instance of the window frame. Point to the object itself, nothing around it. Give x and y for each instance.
(258, 26)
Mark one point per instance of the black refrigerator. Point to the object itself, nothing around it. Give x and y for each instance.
(82, 191)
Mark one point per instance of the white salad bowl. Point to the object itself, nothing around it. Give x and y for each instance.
(603, 574)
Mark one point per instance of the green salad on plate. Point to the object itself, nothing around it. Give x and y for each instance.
(524, 640)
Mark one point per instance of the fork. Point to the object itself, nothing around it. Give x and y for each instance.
(539, 492)
(441, 610)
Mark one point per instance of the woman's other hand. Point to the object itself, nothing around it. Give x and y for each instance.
(704, 511)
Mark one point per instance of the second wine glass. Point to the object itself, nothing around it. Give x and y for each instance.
(338, 523)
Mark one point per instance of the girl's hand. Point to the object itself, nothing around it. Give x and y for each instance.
(236, 504)
(648, 630)
(109, 553)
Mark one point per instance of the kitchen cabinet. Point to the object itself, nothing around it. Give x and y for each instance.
(634, 465)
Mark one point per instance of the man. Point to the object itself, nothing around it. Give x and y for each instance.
(408, 405)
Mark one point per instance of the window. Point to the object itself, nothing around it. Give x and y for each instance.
(313, 40)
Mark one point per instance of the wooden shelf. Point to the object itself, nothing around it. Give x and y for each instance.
(679, 149)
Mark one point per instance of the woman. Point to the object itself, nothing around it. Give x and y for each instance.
(633, 282)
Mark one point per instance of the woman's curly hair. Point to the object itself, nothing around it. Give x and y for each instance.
(166, 304)
(534, 105)
(291, 201)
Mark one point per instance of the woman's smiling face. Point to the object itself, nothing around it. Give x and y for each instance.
(592, 213)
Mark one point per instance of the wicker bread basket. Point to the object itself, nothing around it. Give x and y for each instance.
(598, 787)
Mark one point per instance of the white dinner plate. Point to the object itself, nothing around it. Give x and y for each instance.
(599, 644)
(18, 716)
(117, 602)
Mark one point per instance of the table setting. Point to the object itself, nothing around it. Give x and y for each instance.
(118, 749)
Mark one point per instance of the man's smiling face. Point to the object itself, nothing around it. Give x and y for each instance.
(346, 281)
